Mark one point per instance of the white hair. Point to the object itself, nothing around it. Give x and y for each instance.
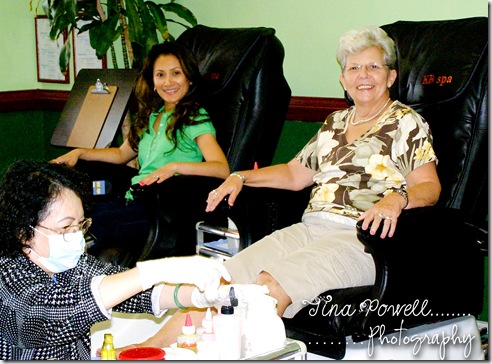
(358, 40)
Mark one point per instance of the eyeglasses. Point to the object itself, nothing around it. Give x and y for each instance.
(370, 68)
(83, 226)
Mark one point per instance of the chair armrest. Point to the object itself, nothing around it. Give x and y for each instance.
(434, 257)
(175, 206)
(260, 211)
(117, 176)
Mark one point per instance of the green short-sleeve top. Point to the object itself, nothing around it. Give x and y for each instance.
(156, 150)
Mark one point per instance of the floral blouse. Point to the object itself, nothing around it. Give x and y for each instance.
(352, 177)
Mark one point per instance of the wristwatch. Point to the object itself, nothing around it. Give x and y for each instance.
(403, 192)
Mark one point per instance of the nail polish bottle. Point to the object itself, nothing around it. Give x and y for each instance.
(188, 338)
(107, 350)
(207, 347)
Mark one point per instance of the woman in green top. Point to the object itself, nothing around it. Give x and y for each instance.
(171, 134)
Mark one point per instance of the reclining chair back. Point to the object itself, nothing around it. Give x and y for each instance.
(244, 89)
(443, 74)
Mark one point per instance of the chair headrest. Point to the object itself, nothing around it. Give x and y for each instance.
(436, 59)
(220, 52)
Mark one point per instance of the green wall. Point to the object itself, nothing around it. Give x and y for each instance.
(26, 135)
(295, 135)
(308, 29)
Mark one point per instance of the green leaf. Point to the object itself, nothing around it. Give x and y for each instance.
(65, 11)
(71, 10)
(138, 54)
(61, 14)
(144, 12)
(159, 19)
(181, 11)
(148, 26)
(135, 29)
(177, 22)
(64, 57)
(103, 36)
(86, 27)
(46, 5)
(87, 10)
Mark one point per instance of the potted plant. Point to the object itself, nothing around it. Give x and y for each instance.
(138, 23)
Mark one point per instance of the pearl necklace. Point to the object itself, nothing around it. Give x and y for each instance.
(372, 117)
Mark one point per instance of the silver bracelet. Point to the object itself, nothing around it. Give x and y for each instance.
(402, 192)
(239, 175)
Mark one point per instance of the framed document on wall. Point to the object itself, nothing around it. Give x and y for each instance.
(48, 53)
(84, 54)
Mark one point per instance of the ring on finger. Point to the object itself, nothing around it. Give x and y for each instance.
(385, 217)
(214, 192)
(156, 177)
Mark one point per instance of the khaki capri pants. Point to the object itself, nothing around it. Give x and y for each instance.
(307, 259)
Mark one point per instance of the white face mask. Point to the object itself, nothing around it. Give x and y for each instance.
(65, 251)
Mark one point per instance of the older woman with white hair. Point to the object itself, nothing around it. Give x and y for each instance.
(368, 162)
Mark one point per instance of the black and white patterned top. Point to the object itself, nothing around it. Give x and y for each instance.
(43, 317)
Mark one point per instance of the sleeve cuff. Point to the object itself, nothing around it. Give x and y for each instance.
(95, 282)
(155, 298)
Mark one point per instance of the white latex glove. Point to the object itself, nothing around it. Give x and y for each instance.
(205, 273)
(199, 300)
(220, 297)
(247, 292)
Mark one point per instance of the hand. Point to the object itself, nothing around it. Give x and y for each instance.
(160, 175)
(71, 158)
(205, 273)
(243, 293)
(385, 211)
(231, 186)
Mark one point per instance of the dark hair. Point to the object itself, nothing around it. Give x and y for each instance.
(27, 190)
(149, 101)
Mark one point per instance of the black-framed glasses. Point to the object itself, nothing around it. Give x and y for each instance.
(83, 226)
